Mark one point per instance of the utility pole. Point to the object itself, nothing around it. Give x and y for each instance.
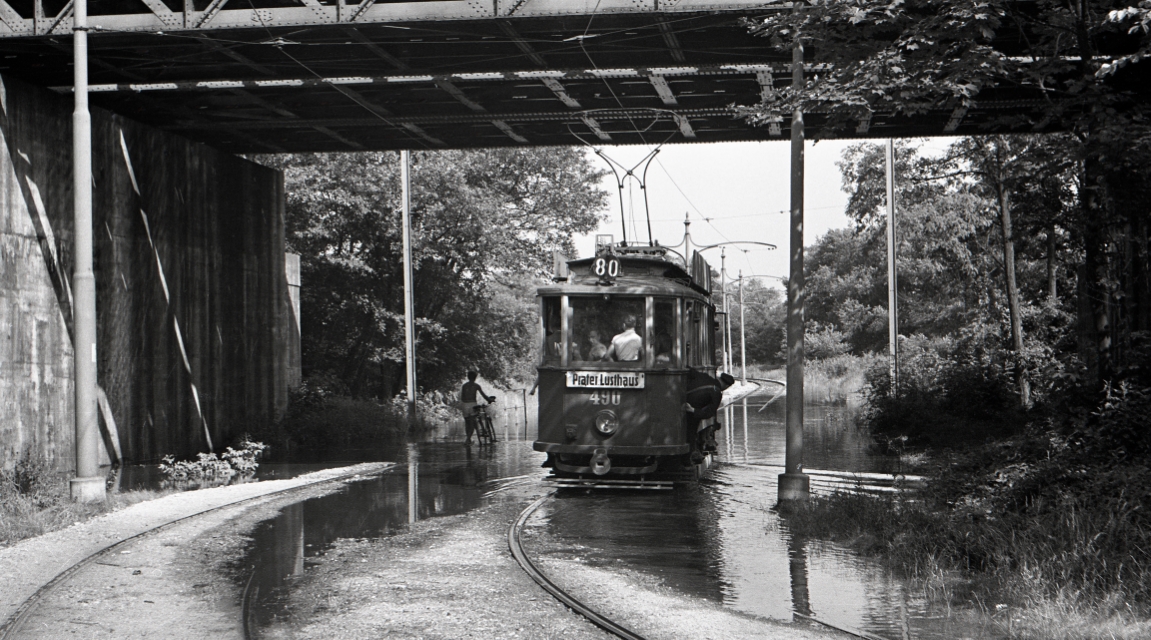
(409, 311)
(726, 331)
(88, 485)
(793, 483)
(742, 345)
(892, 281)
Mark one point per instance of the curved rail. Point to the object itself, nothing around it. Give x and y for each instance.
(549, 586)
(600, 621)
(16, 621)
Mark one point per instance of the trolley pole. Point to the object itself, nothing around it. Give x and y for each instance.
(742, 346)
(88, 485)
(409, 311)
(892, 280)
(793, 483)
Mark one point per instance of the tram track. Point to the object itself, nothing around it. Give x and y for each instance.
(15, 622)
(515, 544)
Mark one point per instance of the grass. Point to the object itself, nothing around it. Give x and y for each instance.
(27, 516)
(835, 380)
(1073, 570)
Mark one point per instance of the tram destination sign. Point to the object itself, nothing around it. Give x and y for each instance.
(604, 380)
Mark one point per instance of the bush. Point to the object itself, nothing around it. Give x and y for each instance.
(948, 394)
(210, 469)
(321, 417)
(836, 379)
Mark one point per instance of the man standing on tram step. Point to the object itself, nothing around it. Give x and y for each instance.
(468, 403)
(627, 345)
(703, 399)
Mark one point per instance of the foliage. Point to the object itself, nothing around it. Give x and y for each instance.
(209, 468)
(32, 475)
(837, 379)
(484, 224)
(1052, 519)
(35, 499)
(950, 393)
(322, 418)
(1081, 62)
(913, 56)
(765, 316)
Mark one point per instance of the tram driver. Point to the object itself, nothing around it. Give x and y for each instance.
(627, 345)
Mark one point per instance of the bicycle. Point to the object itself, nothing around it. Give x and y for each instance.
(483, 424)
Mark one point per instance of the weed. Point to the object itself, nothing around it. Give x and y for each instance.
(209, 469)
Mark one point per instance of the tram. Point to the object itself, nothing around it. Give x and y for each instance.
(612, 410)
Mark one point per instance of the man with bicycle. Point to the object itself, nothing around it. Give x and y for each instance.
(468, 403)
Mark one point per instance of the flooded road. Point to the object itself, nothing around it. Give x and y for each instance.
(719, 540)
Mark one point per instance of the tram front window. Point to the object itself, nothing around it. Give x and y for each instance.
(608, 330)
(553, 336)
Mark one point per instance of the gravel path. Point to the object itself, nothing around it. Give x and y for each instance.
(32, 563)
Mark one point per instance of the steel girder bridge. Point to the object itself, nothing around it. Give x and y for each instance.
(328, 75)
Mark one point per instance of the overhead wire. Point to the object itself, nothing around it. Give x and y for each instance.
(340, 89)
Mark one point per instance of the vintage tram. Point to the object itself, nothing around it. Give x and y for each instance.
(623, 332)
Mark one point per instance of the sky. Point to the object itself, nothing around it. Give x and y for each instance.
(731, 191)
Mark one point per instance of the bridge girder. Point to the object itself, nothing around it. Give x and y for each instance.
(214, 15)
(324, 75)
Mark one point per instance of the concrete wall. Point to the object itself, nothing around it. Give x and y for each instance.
(194, 316)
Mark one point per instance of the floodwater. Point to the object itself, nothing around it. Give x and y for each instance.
(720, 540)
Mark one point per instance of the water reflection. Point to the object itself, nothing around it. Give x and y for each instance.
(724, 541)
(434, 479)
(797, 570)
(720, 540)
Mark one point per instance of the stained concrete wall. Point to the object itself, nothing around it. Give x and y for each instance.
(194, 315)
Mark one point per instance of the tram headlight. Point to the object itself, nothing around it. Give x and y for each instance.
(606, 422)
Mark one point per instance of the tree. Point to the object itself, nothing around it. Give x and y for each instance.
(484, 224)
(764, 313)
(1078, 60)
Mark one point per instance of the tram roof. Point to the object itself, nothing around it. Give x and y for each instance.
(275, 76)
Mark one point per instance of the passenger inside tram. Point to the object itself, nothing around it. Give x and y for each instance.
(596, 348)
(594, 318)
(627, 345)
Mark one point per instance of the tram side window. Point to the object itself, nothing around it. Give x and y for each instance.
(608, 330)
(702, 326)
(553, 335)
(694, 345)
(663, 328)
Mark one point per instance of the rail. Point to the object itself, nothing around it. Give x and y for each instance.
(516, 547)
(12, 626)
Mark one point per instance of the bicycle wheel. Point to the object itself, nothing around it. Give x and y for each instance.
(489, 432)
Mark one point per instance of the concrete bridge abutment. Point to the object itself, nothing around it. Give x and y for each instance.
(196, 334)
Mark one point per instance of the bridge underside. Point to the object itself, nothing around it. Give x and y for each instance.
(250, 76)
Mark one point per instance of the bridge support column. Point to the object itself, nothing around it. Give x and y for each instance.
(793, 483)
(88, 485)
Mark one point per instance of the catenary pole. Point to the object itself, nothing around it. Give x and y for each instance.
(88, 485)
(892, 280)
(793, 483)
(726, 332)
(409, 311)
(742, 345)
